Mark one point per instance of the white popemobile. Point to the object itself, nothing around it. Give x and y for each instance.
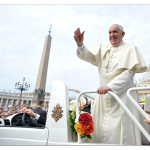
(15, 130)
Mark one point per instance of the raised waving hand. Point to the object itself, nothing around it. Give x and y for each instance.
(79, 37)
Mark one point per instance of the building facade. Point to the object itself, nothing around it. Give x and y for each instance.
(144, 82)
(8, 99)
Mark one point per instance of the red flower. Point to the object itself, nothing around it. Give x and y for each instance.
(85, 118)
(88, 128)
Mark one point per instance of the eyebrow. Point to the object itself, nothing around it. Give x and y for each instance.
(113, 31)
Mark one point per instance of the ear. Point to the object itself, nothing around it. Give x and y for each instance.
(123, 33)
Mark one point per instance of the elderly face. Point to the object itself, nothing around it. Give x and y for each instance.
(115, 35)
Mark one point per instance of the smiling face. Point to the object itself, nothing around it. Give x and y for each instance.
(115, 34)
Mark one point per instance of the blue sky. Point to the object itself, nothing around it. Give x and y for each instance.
(23, 29)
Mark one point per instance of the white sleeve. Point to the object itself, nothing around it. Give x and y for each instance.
(80, 48)
(121, 82)
(37, 117)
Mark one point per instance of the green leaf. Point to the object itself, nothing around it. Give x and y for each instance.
(72, 126)
(71, 120)
(69, 112)
(83, 135)
(89, 137)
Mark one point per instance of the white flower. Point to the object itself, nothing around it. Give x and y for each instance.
(73, 115)
(76, 120)
(83, 101)
(73, 104)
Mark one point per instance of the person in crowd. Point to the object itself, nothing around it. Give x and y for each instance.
(2, 114)
(34, 107)
(15, 108)
(39, 109)
(6, 115)
(5, 109)
(11, 112)
(15, 112)
(9, 109)
(18, 108)
(1, 110)
(47, 109)
(146, 120)
(142, 101)
(86, 107)
(31, 108)
(28, 107)
(40, 119)
(44, 108)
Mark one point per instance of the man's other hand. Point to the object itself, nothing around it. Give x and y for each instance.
(30, 112)
(103, 89)
(79, 37)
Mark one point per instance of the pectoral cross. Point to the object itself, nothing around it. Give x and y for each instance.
(107, 67)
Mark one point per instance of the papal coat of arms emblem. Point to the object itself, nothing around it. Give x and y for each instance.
(57, 112)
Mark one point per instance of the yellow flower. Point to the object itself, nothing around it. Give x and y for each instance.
(78, 128)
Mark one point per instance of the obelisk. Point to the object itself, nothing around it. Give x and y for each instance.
(39, 92)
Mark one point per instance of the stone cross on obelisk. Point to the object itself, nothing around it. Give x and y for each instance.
(39, 92)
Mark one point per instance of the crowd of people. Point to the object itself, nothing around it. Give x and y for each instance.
(8, 111)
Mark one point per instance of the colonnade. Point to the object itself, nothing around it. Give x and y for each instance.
(4, 102)
(11, 99)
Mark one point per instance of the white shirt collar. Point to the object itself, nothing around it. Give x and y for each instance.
(118, 44)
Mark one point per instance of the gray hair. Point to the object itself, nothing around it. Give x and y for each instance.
(120, 27)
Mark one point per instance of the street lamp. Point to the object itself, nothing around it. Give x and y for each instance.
(22, 87)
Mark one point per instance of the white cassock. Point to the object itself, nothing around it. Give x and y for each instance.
(112, 125)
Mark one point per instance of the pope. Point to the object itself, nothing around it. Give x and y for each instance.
(117, 63)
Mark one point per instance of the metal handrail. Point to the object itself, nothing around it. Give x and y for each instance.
(77, 91)
(123, 106)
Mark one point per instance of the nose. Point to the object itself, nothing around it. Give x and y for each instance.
(111, 34)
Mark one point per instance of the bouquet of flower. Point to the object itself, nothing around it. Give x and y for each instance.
(72, 111)
(84, 125)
